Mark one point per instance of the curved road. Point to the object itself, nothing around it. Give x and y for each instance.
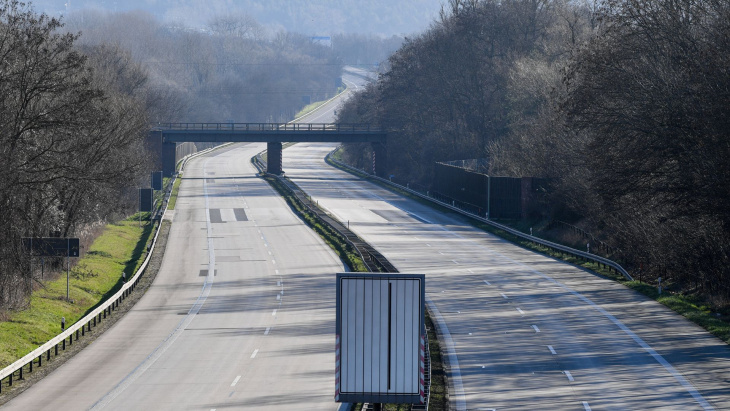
(526, 331)
(259, 334)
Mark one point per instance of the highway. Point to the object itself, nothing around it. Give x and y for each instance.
(526, 331)
(259, 334)
(241, 314)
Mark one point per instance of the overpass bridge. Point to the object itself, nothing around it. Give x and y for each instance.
(273, 134)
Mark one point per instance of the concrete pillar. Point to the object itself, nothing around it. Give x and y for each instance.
(168, 159)
(380, 160)
(273, 158)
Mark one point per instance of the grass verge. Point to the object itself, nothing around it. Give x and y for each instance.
(121, 248)
(309, 108)
(691, 307)
(173, 196)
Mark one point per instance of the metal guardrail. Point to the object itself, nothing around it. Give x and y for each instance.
(83, 325)
(555, 246)
(269, 127)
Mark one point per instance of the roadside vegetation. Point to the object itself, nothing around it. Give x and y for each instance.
(120, 248)
(695, 308)
(621, 105)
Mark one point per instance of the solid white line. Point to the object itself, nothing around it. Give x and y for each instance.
(455, 262)
(233, 384)
(521, 312)
(638, 340)
(428, 245)
(487, 282)
(537, 330)
(455, 372)
(278, 297)
(552, 351)
(504, 296)
(586, 406)
(567, 374)
(278, 283)
(274, 313)
(170, 339)
(273, 261)
(256, 351)
(267, 330)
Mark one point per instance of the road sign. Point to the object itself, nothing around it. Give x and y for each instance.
(156, 180)
(145, 199)
(380, 333)
(52, 247)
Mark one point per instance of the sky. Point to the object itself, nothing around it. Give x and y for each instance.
(311, 17)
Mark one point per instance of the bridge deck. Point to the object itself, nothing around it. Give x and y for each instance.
(268, 132)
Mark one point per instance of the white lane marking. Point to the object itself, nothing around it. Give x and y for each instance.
(455, 262)
(567, 374)
(277, 272)
(274, 313)
(269, 252)
(416, 238)
(266, 244)
(522, 313)
(278, 283)
(441, 253)
(273, 262)
(256, 351)
(470, 271)
(267, 330)
(537, 330)
(667, 366)
(262, 237)
(428, 245)
(487, 282)
(177, 332)
(459, 400)
(586, 406)
(233, 384)
(504, 296)
(278, 297)
(638, 340)
(552, 351)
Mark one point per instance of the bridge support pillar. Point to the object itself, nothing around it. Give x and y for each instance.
(273, 158)
(168, 159)
(380, 160)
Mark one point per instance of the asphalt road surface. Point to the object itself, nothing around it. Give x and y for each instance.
(526, 331)
(259, 334)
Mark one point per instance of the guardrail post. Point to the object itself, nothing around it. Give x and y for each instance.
(10, 380)
(30, 366)
(20, 376)
(57, 350)
(48, 354)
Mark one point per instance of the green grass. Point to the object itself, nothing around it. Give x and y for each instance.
(309, 108)
(173, 195)
(97, 275)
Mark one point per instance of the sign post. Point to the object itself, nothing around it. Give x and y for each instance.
(54, 247)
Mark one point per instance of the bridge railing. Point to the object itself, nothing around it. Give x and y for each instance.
(269, 127)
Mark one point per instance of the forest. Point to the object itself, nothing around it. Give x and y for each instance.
(623, 105)
(78, 97)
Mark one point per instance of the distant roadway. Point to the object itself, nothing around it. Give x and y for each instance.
(524, 331)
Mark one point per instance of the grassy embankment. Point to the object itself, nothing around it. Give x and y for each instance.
(120, 248)
(691, 307)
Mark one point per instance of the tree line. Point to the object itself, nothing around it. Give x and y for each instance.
(622, 104)
(77, 99)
